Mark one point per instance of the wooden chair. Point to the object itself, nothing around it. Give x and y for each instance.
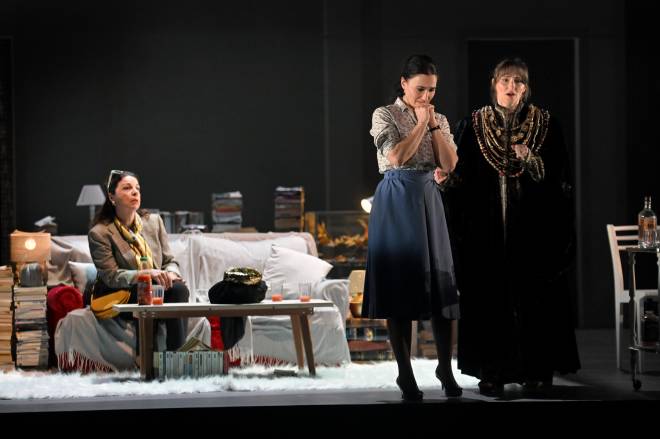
(620, 238)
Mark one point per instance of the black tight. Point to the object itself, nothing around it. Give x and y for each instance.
(177, 329)
(400, 336)
(400, 339)
(442, 337)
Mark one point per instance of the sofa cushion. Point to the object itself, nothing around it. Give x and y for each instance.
(261, 250)
(62, 250)
(308, 239)
(290, 267)
(215, 255)
(82, 273)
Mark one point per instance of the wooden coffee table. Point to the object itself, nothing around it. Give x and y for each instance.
(297, 310)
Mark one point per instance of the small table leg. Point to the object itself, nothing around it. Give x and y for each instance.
(307, 341)
(146, 328)
(297, 340)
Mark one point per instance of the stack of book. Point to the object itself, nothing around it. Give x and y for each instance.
(227, 208)
(193, 360)
(368, 340)
(426, 347)
(289, 208)
(6, 288)
(31, 326)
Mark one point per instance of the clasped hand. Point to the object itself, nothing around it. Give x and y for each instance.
(425, 114)
(439, 175)
(521, 150)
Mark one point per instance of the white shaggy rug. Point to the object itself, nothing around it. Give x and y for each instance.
(381, 375)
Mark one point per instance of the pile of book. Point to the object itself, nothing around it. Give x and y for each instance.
(425, 341)
(368, 340)
(226, 210)
(193, 360)
(6, 288)
(289, 208)
(31, 326)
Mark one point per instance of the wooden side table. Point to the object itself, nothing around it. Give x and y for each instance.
(297, 310)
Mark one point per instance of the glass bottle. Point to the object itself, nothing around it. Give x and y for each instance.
(648, 223)
(144, 283)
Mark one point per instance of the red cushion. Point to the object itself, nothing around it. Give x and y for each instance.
(216, 335)
(60, 300)
(216, 341)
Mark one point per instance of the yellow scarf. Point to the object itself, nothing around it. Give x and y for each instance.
(102, 306)
(135, 240)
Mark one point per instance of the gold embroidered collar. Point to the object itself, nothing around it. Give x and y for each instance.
(495, 140)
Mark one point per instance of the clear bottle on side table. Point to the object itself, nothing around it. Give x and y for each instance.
(648, 224)
(144, 294)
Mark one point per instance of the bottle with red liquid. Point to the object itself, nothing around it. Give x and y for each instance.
(145, 297)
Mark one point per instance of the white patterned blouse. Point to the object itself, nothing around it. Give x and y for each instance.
(393, 123)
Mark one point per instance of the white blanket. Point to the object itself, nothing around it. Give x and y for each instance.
(85, 343)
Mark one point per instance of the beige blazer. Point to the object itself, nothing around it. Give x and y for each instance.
(116, 262)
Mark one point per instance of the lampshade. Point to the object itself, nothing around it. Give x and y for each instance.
(29, 247)
(356, 282)
(91, 195)
(356, 290)
(366, 204)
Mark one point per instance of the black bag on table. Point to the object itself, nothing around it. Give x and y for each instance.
(240, 285)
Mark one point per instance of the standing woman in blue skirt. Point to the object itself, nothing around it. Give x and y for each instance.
(410, 272)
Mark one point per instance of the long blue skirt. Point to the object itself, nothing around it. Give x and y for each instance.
(410, 271)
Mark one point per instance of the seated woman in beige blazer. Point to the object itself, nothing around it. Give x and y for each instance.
(122, 233)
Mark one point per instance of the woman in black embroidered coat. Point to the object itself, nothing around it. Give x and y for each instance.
(510, 210)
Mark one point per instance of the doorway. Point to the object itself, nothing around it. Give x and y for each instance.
(554, 81)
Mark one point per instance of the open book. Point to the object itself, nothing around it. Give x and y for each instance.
(194, 344)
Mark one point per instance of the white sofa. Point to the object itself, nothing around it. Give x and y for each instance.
(203, 259)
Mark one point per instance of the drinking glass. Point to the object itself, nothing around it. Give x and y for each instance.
(305, 289)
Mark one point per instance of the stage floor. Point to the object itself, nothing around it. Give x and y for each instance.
(598, 383)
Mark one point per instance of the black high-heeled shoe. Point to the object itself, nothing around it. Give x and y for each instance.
(409, 395)
(452, 390)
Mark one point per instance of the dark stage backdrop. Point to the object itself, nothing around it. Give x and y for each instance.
(7, 206)
(195, 99)
(205, 96)
(643, 87)
(642, 141)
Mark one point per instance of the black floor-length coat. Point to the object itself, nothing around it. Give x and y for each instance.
(512, 274)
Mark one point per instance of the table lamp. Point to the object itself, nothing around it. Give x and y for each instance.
(30, 251)
(91, 195)
(356, 291)
(366, 203)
